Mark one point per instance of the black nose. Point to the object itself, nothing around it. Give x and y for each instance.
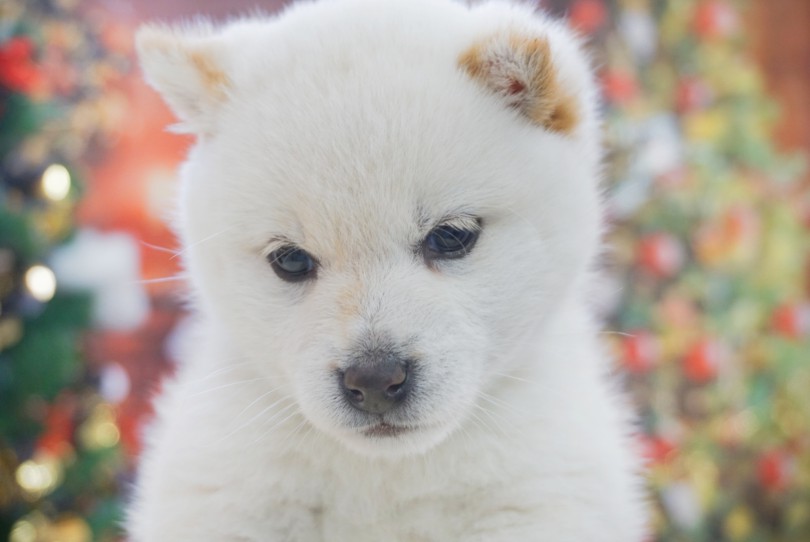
(376, 387)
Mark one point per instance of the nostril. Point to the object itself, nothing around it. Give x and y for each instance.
(356, 396)
(351, 387)
(396, 388)
(398, 376)
(392, 390)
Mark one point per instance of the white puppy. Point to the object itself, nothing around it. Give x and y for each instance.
(389, 220)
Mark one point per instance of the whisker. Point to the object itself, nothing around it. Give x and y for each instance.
(465, 432)
(499, 421)
(256, 400)
(224, 386)
(263, 411)
(256, 416)
(279, 423)
(203, 240)
(174, 278)
(483, 423)
(502, 404)
(621, 333)
(220, 370)
(293, 445)
(513, 377)
(159, 248)
(489, 426)
(281, 410)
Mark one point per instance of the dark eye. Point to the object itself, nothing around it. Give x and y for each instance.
(447, 242)
(292, 263)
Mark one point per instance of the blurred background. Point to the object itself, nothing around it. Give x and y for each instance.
(707, 107)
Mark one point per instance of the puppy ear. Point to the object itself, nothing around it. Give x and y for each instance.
(520, 68)
(186, 67)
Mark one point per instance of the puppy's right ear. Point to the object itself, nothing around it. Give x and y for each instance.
(523, 70)
(187, 67)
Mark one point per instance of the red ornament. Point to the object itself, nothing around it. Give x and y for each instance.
(703, 359)
(587, 16)
(620, 87)
(640, 351)
(741, 224)
(775, 470)
(657, 449)
(18, 72)
(660, 254)
(792, 320)
(692, 93)
(59, 426)
(715, 19)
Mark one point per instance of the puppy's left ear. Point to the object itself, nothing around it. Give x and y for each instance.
(186, 66)
(521, 69)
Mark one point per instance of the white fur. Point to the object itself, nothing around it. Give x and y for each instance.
(348, 127)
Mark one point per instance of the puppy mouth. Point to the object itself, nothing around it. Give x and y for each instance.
(386, 430)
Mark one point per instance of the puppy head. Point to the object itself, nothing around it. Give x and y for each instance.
(386, 200)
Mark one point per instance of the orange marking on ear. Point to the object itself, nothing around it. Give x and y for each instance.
(214, 79)
(473, 61)
(521, 69)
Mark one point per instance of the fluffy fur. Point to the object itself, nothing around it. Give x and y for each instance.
(351, 128)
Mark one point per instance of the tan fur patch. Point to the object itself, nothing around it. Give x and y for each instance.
(472, 60)
(349, 303)
(520, 68)
(214, 79)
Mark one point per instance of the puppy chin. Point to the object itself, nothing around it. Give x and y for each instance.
(388, 442)
(408, 442)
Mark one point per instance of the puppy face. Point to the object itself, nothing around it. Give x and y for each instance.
(380, 219)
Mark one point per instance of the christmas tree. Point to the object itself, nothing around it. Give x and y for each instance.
(59, 459)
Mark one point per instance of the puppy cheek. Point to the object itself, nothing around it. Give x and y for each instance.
(453, 376)
(316, 395)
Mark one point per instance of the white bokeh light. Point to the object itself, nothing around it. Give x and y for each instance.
(41, 282)
(56, 182)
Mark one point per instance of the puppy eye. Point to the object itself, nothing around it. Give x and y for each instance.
(292, 263)
(448, 242)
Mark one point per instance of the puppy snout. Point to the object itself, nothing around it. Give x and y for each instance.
(378, 386)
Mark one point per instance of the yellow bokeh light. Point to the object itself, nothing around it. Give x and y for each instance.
(39, 476)
(100, 430)
(56, 182)
(41, 282)
(738, 524)
(23, 531)
(70, 528)
(107, 435)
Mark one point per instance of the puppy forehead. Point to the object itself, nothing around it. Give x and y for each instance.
(370, 187)
(354, 166)
(348, 223)
(353, 133)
